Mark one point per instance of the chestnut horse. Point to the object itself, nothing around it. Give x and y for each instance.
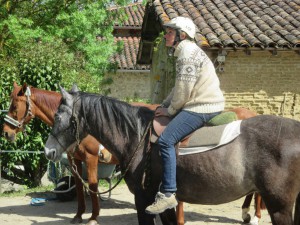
(43, 105)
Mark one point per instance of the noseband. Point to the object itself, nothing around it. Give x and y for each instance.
(16, 123)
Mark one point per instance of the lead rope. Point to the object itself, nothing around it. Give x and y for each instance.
(74, 167)
(146, 178)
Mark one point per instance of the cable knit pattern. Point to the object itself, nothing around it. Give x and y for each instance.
(197, 85)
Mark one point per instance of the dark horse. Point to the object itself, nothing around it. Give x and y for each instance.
(264, 158)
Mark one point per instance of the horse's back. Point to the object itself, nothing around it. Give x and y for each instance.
(272, 129)
(241, 165)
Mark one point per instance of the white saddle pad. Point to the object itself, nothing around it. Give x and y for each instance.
(230, 132)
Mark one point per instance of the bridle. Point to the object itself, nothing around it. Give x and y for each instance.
(21, 124)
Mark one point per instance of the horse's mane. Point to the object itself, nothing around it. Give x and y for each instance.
(126, 118)
(50, 99)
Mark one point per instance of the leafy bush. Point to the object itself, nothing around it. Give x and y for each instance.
(44, 44)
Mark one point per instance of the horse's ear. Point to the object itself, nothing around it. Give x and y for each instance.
(66, 96)
(15, 84)
(74, 88)
(24, 88)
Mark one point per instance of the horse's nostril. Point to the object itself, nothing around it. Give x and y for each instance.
(53, 154)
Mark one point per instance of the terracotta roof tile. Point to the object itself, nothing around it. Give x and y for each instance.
(238, 23)
(126, 60)
(135, 14)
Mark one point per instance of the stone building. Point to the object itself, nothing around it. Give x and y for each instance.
(254, 44)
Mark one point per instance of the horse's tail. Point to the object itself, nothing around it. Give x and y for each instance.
(297, 211)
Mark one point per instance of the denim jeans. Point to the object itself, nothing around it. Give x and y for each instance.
(183, 124)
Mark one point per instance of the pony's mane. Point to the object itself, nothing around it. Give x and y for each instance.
(125, 117)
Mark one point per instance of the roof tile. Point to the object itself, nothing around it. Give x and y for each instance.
(135, 14)
(126, 59)
(238, 23)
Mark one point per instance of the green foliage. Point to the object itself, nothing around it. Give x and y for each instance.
(45, 43)
(34, 65)
(75, 23)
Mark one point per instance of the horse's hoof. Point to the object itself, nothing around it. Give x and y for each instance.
(254, 221)
(76, 220)
(247, 218)
(92, 222)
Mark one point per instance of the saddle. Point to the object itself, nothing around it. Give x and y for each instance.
(209, 134)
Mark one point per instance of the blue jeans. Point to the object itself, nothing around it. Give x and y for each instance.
(183, 124)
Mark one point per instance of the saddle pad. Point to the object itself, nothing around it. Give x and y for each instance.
(211, 137)
(223, 118)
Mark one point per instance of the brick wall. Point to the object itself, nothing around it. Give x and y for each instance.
(263, 82)
(130, 85)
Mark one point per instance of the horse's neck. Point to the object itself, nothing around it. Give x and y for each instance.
(45, 104)
(121, 141)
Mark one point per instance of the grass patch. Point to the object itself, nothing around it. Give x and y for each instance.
(103, 186)
(27, 191)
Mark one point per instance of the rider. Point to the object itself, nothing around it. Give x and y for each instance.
(194, 100)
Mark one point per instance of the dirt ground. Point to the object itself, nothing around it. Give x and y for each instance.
(119, 209)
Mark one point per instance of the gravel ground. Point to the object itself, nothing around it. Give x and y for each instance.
(119, 209)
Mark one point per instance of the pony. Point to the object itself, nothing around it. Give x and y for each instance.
(264, 158)
(43, 105)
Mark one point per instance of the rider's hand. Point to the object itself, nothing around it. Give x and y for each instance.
(161, 112)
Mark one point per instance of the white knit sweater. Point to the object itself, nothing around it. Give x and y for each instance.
(197, 86)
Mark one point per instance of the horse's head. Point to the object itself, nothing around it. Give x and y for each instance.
(19, 113)
(66, 132)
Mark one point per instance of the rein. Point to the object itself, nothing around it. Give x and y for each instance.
(16, 123)
(74, 167)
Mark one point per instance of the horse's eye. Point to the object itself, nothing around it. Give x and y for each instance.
(72, 120)
(57, 117)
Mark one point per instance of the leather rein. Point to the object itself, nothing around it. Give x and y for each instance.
(75, 123)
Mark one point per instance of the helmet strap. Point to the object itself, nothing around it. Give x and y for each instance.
(177, 38)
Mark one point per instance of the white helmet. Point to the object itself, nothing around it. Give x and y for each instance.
(183, 24)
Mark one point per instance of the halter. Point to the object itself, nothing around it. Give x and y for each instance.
(16, 123)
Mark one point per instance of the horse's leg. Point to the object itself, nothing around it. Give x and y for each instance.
(297, 211)
(80, 194)
(280, 209)
(141, 202)
(92, 173)
(168, 217)
(257, 215)
(246, 208)
(282, 217)
(180, 213)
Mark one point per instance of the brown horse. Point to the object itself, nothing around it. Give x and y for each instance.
(43, 104)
